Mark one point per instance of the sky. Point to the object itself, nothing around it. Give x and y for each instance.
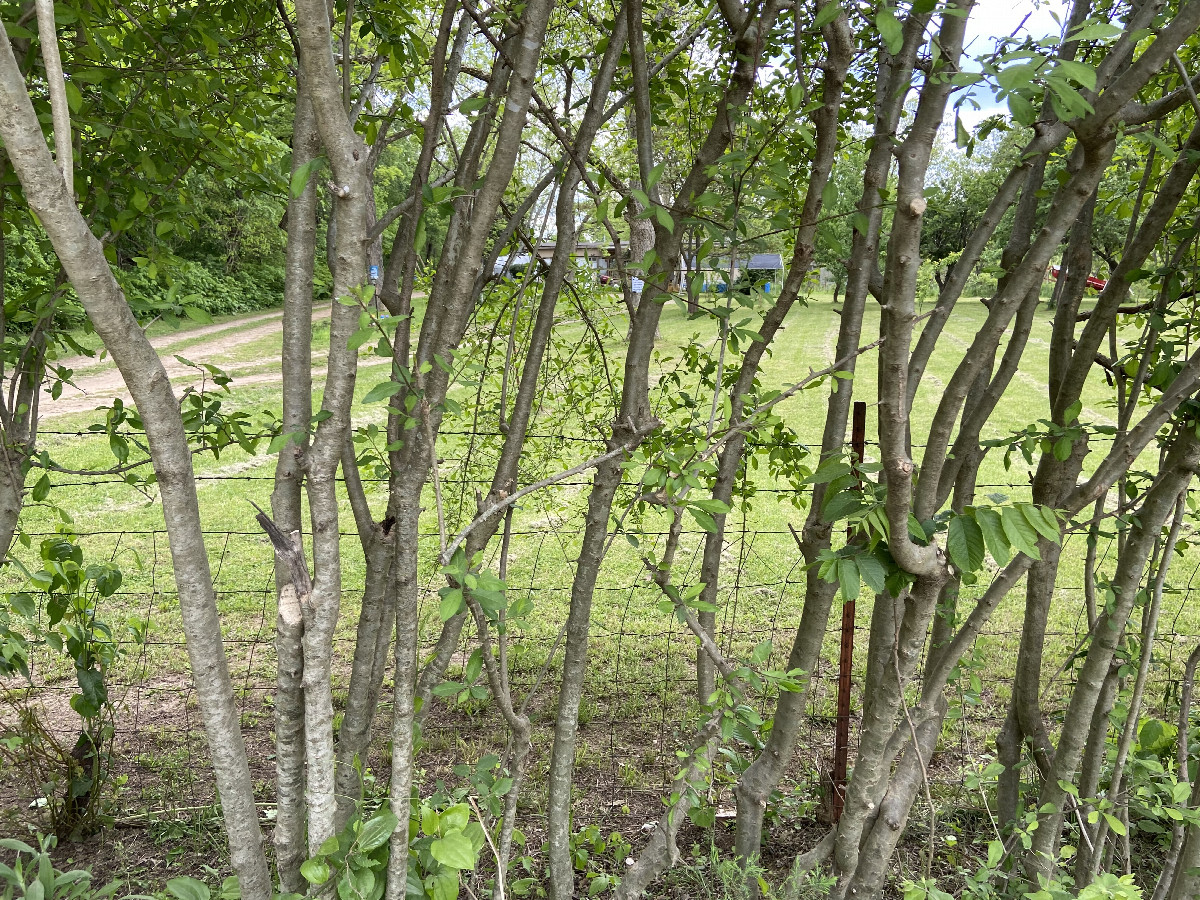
(1000, 18)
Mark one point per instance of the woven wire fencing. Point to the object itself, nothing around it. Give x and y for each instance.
(639, 704)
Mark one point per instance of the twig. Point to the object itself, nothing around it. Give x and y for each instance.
(508, 501)
(1187, 81)
(437, 481)
(748, 419)
(537, 682)
(499, 891)
(795, 535)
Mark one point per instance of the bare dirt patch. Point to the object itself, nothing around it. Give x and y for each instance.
(99, 382)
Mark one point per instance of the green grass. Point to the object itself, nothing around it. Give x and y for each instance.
(639, 702)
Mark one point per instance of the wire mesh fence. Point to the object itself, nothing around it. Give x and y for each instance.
(640, 705)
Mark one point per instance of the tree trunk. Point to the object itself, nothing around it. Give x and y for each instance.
(1041, 859)
(144, 375)
(287, 504)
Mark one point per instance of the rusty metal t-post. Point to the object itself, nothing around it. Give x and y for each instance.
(841, 740)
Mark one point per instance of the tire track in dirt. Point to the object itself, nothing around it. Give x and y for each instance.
(100, 382)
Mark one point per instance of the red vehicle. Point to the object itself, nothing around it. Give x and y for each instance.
(1096, 284)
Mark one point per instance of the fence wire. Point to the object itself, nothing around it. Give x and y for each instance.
(640, 706)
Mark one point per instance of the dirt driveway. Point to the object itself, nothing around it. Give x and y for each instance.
(97, 381)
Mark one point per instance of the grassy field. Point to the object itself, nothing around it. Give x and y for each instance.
(638, 705)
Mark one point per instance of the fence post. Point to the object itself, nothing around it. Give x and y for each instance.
(841, 741)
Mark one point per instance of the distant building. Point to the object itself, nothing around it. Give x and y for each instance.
(764, 269)
(717, 272)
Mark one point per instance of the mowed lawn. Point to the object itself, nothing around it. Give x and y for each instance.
(642, 661)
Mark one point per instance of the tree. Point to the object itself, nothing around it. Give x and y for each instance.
(764, 148)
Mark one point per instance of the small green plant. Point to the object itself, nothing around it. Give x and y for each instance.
(1106, 887)
(32, 876)
(599, 858)
(707, 876)
(444, 842)
(57, 610)
(354, 862)
(187, 888)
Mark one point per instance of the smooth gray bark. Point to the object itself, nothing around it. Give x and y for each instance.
(83, 259)
(286, 502)
(351, 185)
(1159, 501)
(1185, 841)
(633, 419)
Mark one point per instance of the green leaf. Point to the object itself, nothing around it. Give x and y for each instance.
(383, 391)
(107, 578)
(890, 29)
(429, 821)
(454, 850)
(282, 440)
(664, 219)
(1019, 532)
(1017, 76)
(74, 98)
(841, 505)
(829, 194)
(315, 871)
(185, 888)
(965, 544)
(301, 175)
(1022, 110)
(419, 236)
(452, 602)
(42, 489)
(360, 337)
(1099, 31)
(456, 817)
(474, 667)
(828, 470)
(1115, 824)
(1042, 520)
(655, 175)
(993, 533)
(761, 652)
(196, 314)
(874, 575)
(443, 885)
(848, 579)
(703, 519)
(377, 831)
(1078, 72)
(1155, 735)
(962, 137)
(472, 104)
(23, 604)
(828, 13)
